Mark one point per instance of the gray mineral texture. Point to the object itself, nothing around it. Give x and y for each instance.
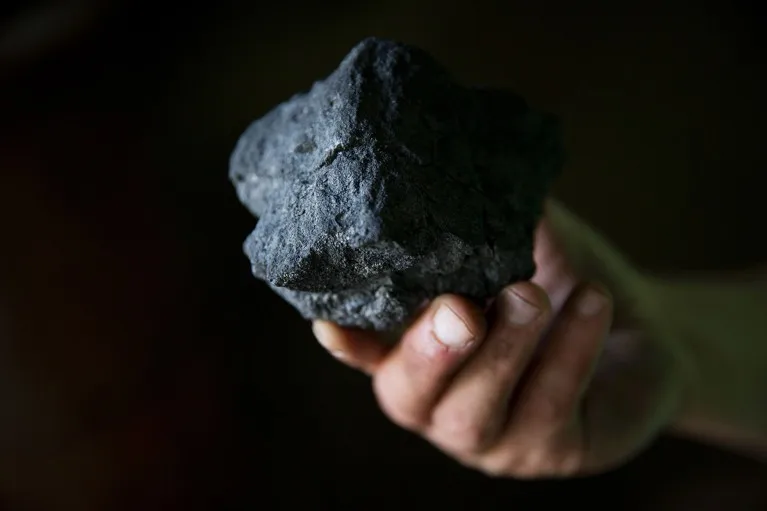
(388, 184)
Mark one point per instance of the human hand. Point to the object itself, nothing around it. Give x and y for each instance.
(561, 376)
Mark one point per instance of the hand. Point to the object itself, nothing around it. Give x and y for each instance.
(561, 376)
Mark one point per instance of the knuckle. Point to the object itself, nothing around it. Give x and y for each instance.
(398, 410)
(532, 462)
(548, 462)
(498, 467)
(400, 415)
(505, 351)
(462, 433)
(533, 468)
(502, 461)
(551, 406)
(571, 464)
(535, 464)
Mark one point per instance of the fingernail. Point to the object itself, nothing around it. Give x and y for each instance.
(449, 329)
(591, 302)
(323, 336)
(522, 312)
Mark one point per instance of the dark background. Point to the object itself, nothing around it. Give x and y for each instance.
(141, 367)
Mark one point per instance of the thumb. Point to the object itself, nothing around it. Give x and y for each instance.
(356, 348)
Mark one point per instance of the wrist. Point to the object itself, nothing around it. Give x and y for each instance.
(671, 359)
(661, 325)
(712, 330)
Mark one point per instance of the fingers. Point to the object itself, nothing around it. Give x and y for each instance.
(473, 411)
(541, 435)
(414, 376)
(357, 348)
(551, 397)
(453, 384)
(553, 272)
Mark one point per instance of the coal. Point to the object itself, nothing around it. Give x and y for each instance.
(388, 184)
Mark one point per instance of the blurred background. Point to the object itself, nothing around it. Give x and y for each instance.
(142, 368)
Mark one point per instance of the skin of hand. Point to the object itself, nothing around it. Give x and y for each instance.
(561, 376)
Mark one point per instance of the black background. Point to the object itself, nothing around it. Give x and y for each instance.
(143, 368)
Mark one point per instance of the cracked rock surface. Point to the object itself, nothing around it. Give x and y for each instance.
(388, 183)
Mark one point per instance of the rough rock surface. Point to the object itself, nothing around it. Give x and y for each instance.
(388, 183)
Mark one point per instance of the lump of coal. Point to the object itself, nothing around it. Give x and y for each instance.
(388, 184)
